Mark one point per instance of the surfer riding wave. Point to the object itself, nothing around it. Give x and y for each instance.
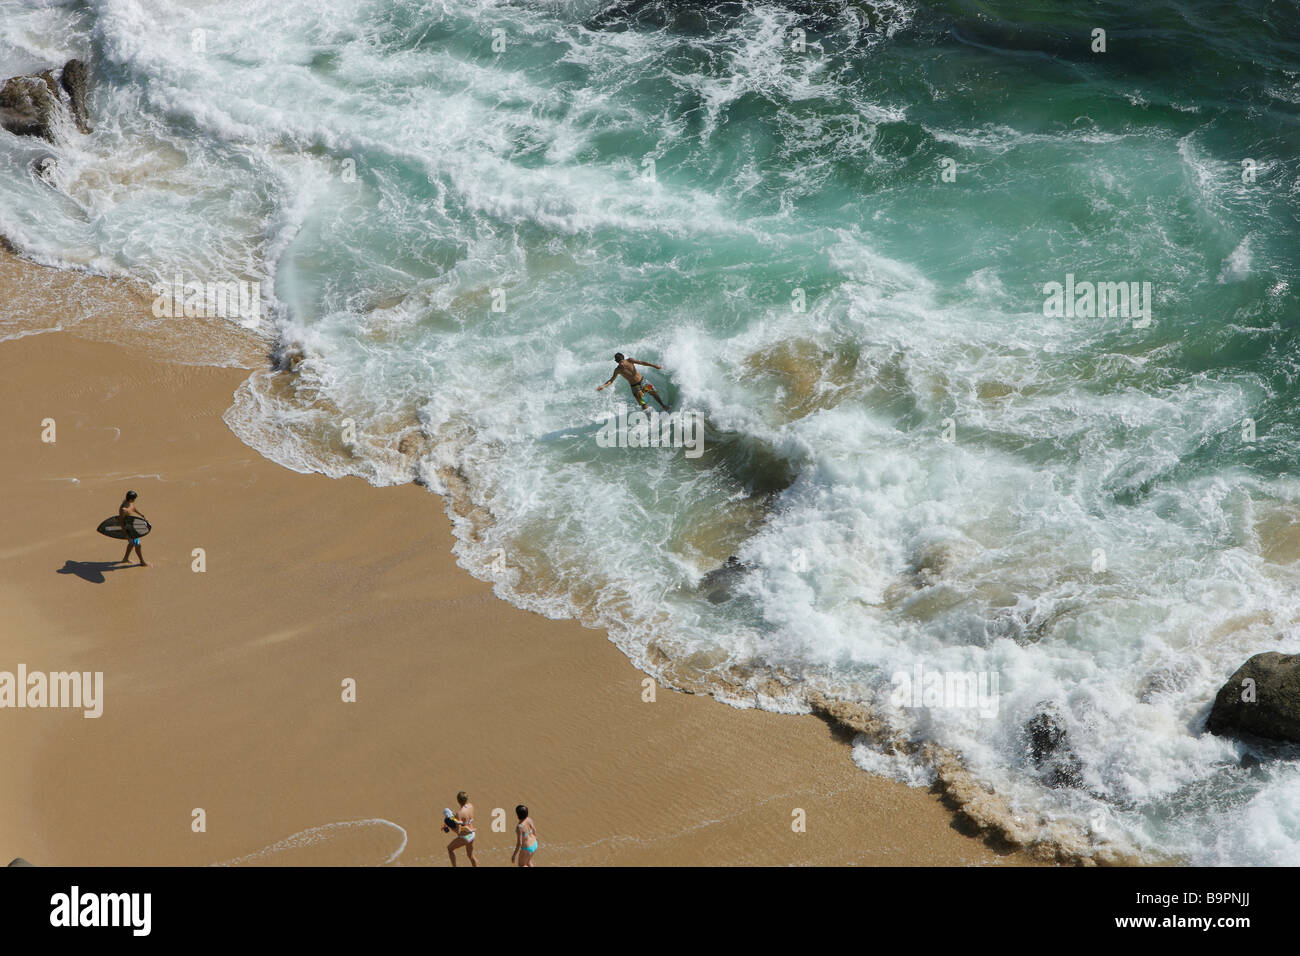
(640, 385)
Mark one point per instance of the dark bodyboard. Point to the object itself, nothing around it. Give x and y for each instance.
(112, 527)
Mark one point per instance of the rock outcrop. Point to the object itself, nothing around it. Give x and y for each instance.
(30, 105)
(1261, 698)
(75, 80)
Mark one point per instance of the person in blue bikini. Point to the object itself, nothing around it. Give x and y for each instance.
(525, 838)
(124, 512)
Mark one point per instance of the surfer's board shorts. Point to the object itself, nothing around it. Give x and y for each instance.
(135, 541)
(640, 389)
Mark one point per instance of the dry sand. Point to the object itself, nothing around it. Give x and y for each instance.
(223, 688)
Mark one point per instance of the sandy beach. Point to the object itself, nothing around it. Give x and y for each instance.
(223, 687)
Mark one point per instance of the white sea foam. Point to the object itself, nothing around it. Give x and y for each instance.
(290, 849)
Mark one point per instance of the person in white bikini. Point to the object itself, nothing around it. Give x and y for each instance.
(465, 833)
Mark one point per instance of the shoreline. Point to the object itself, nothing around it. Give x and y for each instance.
(222, 686)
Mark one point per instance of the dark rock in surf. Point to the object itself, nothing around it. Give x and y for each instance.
(44, 169)
(75, 79)
(1047, 743)
(715, 587)
(1262, 698)
(29, 105)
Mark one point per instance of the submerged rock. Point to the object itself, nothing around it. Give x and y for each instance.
(716, 586)
(1261, 698)
(1169, 678)
(44, 167)
(1048, 746)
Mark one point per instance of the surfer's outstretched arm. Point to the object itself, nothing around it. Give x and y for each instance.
(647, 364)
(610, 382)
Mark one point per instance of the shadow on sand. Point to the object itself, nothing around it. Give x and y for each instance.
(93, 571)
